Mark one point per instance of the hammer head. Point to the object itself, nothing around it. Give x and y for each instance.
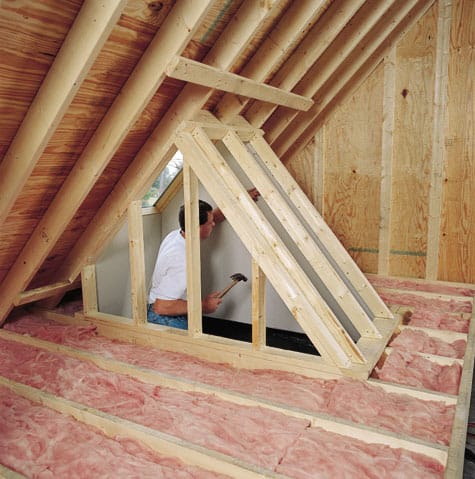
(238, 277)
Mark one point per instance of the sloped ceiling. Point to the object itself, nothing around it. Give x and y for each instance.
(88, 109)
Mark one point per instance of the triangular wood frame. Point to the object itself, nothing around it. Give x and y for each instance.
(340, 312)
(342, 315)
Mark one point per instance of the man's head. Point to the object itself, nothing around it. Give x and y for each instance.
(205, 216)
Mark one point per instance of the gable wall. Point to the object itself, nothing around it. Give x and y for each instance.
(393, 166)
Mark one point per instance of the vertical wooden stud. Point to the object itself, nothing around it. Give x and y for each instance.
(258, 306)
(137, 263)
(386, 162)
(89, 289)
(193, 256)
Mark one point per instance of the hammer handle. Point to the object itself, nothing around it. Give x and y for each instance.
(225, 290)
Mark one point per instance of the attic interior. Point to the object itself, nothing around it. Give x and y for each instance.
(354, 120)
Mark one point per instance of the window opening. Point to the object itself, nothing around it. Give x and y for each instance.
(159, 186)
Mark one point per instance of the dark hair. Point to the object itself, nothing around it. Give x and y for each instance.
(204, 209)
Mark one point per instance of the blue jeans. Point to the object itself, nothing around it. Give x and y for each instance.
(180, 322)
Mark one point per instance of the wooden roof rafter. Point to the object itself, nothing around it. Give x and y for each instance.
(290, 137)
(148, 75)
(159, 148)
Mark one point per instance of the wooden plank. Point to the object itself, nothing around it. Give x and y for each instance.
(274, 50)
(159, 148)
(279, 204)
(258, 314)
(389, 94)
(42, 292)
(137, 263)
(321, 229)
(319, 38)
(85, 39)
(6, 473)
(457, 240)
(438, 138)
(201, 74)
(89, 289)
(268, 249)
(347, 43)
(415, 74)
(172, 37)
(193, 254)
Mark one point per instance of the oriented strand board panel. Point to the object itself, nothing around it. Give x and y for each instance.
(457, 245)
(352, 152)
(412, 147)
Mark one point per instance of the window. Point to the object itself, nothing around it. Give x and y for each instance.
(174, 167)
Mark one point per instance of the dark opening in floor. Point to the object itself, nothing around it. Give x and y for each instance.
(277, 338)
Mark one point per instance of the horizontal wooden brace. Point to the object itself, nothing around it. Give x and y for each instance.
(43, 292)
(205, 75)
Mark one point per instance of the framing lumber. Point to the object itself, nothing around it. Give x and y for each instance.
(137, 263)
(348, 80)
(42, 292)
(258, 314)
(292, 71)
(293, 26)
(89, 289)
(208, 76)
(192, 245)
(83, 43)
(159, 148)
(173, 36)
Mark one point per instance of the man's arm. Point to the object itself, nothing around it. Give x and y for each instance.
(179, 307)
(218, 215)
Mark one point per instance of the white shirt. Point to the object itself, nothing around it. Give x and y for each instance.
(169, 275)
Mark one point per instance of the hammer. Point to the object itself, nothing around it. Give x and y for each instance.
(236, 277)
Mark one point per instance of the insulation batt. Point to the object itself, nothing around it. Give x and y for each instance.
(403, 367)
(360, 460)
(415, 340)
(346, 398)
(198, 418)
(43, 444)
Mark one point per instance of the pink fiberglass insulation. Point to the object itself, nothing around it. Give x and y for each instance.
(407, 284)
(403, 367)
(419, 341)
(253, 434)
(43, 444)
(322, 454)
(346, 398)
(448, 305)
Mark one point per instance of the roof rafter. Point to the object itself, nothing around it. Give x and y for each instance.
(78, 52)
(159, 148)
(174, 35)
(352, 74)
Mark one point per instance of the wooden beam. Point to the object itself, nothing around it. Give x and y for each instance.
(43, 292)
(281, 205)
(193, 249)
(201, 74)
(85, 39)
(275, 49)
(310, 311)
(318, 225)
(159, 148)
(137, 263)
(172, 38)
(361, 63)
(89, 289)
(438, 138)
(322, 34)
(346, 43)
(258, 314)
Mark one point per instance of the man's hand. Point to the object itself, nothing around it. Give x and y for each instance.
(210, 303)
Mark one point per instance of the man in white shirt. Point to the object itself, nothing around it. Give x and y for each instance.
(167, 298)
